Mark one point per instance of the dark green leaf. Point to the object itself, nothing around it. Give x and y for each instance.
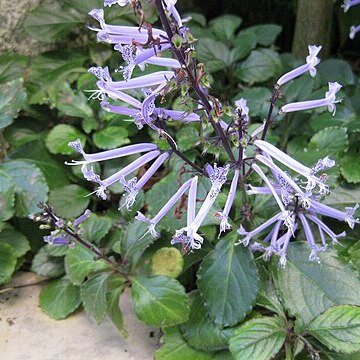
(96, 227)
(214, 54)
(7, 197)
(46, 265)
(338, 328)
(16, 239)
(12, 67)
(244, 43)
(265, 34)
(308, 288)
(260, 66)
(258, 339)
(336, 70)
(30, 186)
(350, 167)
(343, 195)
(228, 270)
(59, 299)
(298, 89)
(201, 332)
(59, 137)
(159, 300)
(187, 137)
(93, 296)
(111, 137)
(7, 262)
(69, 201)
(224, 27)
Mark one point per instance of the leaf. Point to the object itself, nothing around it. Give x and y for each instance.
(96, 227)
(350, 167)
(258, 339)
(46, 265)
(159, 300)
(12, 66)
(308, 288)
(59, 299)
(215, 54)
(228, 270)
(80, 262)
(167, 261)
(338, 328)
(265, 34)
(111, 137)
(201, 332)
(12, 100)
(7, 262)
(225, 26)
(30, 186)
(69, 201)
(299, 89)
(187, 137)
(260, 66)
(244, 43)
(16, 240)
(175, 348)
(7, 197)
(336, 70)
(52, 21)
(115, 287)
(59, 137)
(93, 296)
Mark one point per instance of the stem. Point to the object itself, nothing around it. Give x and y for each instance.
(179, 55)
(288, 351)
(22, 286)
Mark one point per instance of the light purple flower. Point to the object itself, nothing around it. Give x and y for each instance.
(349, 3)
(353, 31)
(82, 218)
(119, 2)
(170, 7)
(244, 110)
(311, 61)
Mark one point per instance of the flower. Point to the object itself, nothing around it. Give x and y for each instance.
(311, 61)
(349, 3)
(119, 2)
(328, 101)
(243, 109)
(353, 31)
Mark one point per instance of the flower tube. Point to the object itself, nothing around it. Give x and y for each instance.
(349, 3)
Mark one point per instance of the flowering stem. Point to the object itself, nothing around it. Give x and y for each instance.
(194, 84)
(273, 99)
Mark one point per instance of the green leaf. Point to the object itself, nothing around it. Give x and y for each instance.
(111, 137)
(343, 195)
(215, 54)
(46, 265)
(52, 21)
(244, 43)
(115, 287)
(298, 89)
(201, 332)
(7, 197)
(224, 27)
(338, 328)
(159, 300)
(258, 339)
(59, 299)
(80, 262)
(350, 167)
(16, 239)
(167, 261)
(308, 288)
(260, 66)
(30, 186)
(265, 34)
(12, 100)
(59, 137)
(69, 201)
(187, 137)
(93, 296)
(12, 66)
(175, 348)
(96, 227)
(7, 262)
(336, 70)
(228, 270)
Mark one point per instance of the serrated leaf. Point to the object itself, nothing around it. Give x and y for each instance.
(260, 66)
(224, 27)
(7, 262)
(338, 328)
(12, 99)
(56, 251)
(111, 137)
(244, 43)
(201, 332)
(12, 66)
(69, 201)
(93, 296)
(46, 265)
(298, 89)
(265, 34)
(30, 186)
(96, 227)
(350, 167)
(159, 300)
(16, 240)
(228, 270)
(80, 262)
(308, 288)
(343, 195)
(7, 197)
(175, 348)
(59, 299)
(115, 287)
(337, 70)
(258, 339)
(187, 137)
(59, 137)
(215, 54)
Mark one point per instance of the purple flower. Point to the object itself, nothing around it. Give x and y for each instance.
(353, 31)
(328, 101)
(119, 2)
(82, 218)
(244, 110)
(171, 9)
(56, 240)
(311, 61)
(349, 3)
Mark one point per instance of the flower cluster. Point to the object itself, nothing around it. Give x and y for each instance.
(346, 6)
(297, 190)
